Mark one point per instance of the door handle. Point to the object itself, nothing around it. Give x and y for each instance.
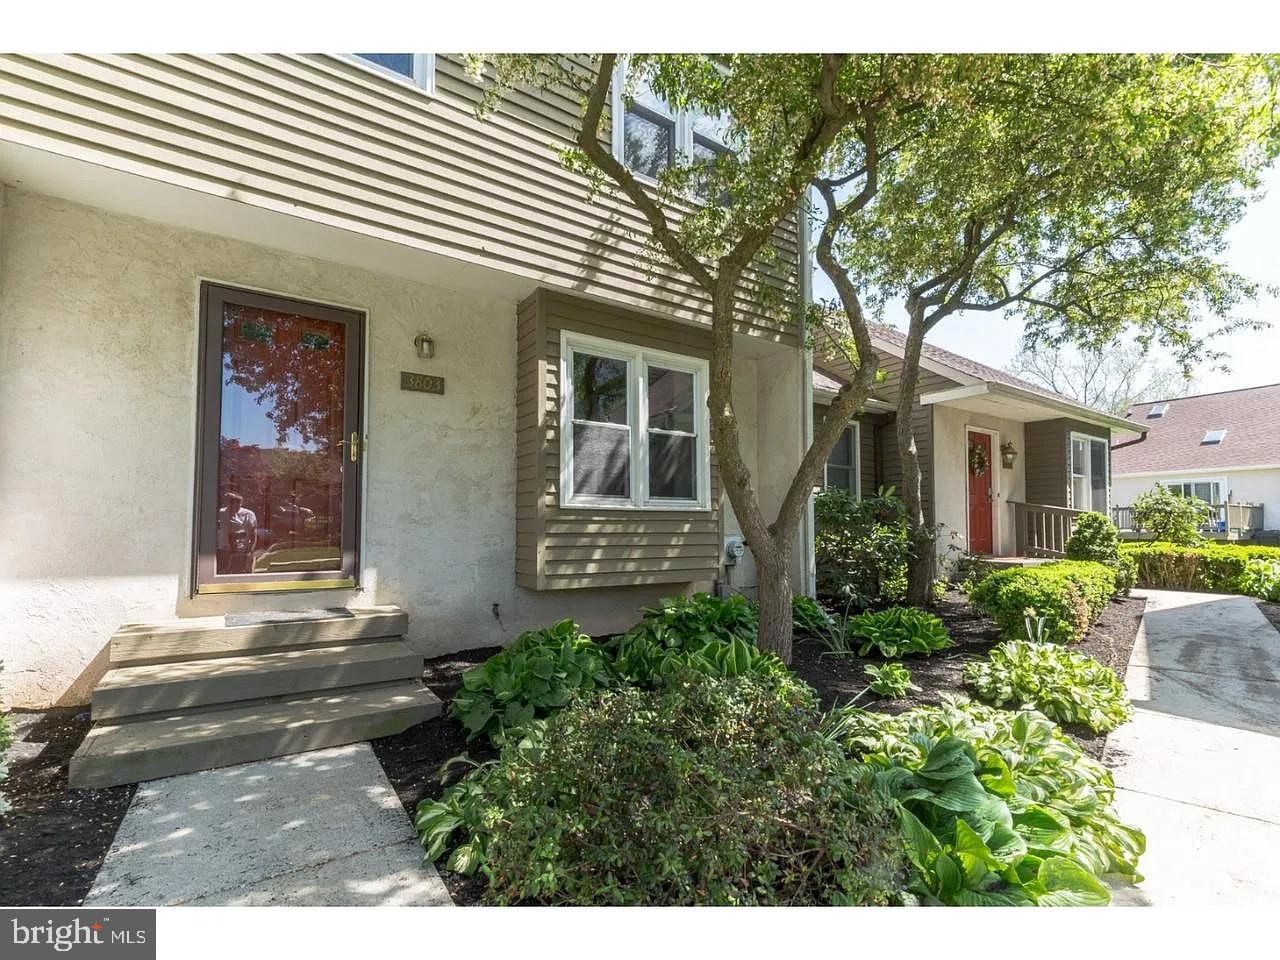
(353, 445)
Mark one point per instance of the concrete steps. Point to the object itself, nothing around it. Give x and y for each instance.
(194, 694)
(163, 745)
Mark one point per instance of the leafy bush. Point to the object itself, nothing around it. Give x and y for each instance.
(1261, 579)
(861, 547)
(690, 623)
(639, 660)
(998, 808)
(1066, 687)
(890, 680)
(808, 616)
(1217, 567)
(702, 792)
(895, 632)
(1171, 517)
(541, 672)
(1094, 537)
(1069, 594)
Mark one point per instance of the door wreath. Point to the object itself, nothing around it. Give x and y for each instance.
(978, 460)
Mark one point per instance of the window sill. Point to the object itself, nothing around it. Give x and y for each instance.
(633, 508)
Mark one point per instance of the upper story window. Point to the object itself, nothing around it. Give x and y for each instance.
(842, 462)
(416, 68)
(649, 135)
(633, 427)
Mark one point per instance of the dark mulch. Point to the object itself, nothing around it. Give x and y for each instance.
(1271, 611)
(839, 679)
(54, 839)
(412, 759)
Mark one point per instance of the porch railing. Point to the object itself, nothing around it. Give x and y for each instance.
(1041, 530)
(1229, 521)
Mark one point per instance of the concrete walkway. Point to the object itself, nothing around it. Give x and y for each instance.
(1199, 765)
(323, 828)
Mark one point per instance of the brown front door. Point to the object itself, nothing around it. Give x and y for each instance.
(980, 493)
(278, 482)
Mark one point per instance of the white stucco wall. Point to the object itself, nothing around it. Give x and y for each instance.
(950, 451)
(1243, 486)
(98, 328)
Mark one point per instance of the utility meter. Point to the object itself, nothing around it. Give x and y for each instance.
(734, 548)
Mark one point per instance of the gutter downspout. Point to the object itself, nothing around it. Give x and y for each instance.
(806, 391)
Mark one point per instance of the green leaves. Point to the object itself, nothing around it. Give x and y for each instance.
(1065, 686)
(895, 632)
(1069, 594)
(996, 808)
(890, 680)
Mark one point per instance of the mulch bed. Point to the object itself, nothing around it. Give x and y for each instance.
(54, 839)
(839, 679)
(412, 759)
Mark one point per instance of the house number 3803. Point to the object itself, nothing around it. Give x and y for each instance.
(421, 382)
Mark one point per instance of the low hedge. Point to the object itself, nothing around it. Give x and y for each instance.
(1216, 567)
(1069, 594)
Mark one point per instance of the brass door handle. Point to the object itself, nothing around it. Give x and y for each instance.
(354, 445)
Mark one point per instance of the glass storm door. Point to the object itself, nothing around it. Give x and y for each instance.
(280, 444)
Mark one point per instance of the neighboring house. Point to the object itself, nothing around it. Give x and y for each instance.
(1046, 457)
(1223, 448)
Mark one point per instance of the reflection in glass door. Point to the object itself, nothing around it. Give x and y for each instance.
(280, 444)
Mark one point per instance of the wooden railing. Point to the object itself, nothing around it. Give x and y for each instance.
(1041, 530)
(1229, 521)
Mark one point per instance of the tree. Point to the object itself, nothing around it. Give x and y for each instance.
(1088, 195)
(1112, 380)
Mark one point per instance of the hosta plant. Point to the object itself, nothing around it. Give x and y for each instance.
(541, 672)
(895, 632)
(998, 808)
(808, 616)
(642, 661)
(690, 623)
(1065, 686)
(890, 680)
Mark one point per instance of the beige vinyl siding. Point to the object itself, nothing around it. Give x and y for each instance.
(1048, 458)
(320, 137)
(558, 548)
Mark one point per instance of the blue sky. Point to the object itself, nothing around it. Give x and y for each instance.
(1254, 357)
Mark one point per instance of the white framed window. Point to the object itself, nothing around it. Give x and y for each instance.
(649, 135)
(634, 427)
(1210, 491)
(418, 69)
(1089, 470)
(844, 467)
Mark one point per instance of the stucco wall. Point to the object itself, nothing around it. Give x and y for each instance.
(1245, 486)
(951, 466)
(98, 322)
(743, 577)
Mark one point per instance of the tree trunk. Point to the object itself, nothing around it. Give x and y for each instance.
(923, 564)
(774, 596)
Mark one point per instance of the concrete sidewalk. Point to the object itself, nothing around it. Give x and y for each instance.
(323, 828)
(1198, 768)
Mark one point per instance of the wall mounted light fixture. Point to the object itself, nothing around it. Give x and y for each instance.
(1008, 454)
(425, 346)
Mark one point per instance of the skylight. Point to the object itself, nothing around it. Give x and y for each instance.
(1157, 411)
(1213, 436)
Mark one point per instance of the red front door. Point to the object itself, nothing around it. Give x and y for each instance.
(981, 466)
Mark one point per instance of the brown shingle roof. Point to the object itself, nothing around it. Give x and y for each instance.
(1251, 417)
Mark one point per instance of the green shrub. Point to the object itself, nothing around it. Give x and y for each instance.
(1094, 537)
(890, 680)
(1261, 579)
(1216, 567)
(808, 616)
(702, 792)
(1171, 517)
(1066, 687)
(690, 623)
(895, 632)
(641, 661)
(1069, 594)
(541, 672)
(997, 807)
(861, 547)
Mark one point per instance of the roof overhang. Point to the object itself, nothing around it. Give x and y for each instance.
(1023, 406)
(826, 397)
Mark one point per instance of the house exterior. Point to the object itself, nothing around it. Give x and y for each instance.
(1006, 465)
(1223, 448)
(285, 334)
